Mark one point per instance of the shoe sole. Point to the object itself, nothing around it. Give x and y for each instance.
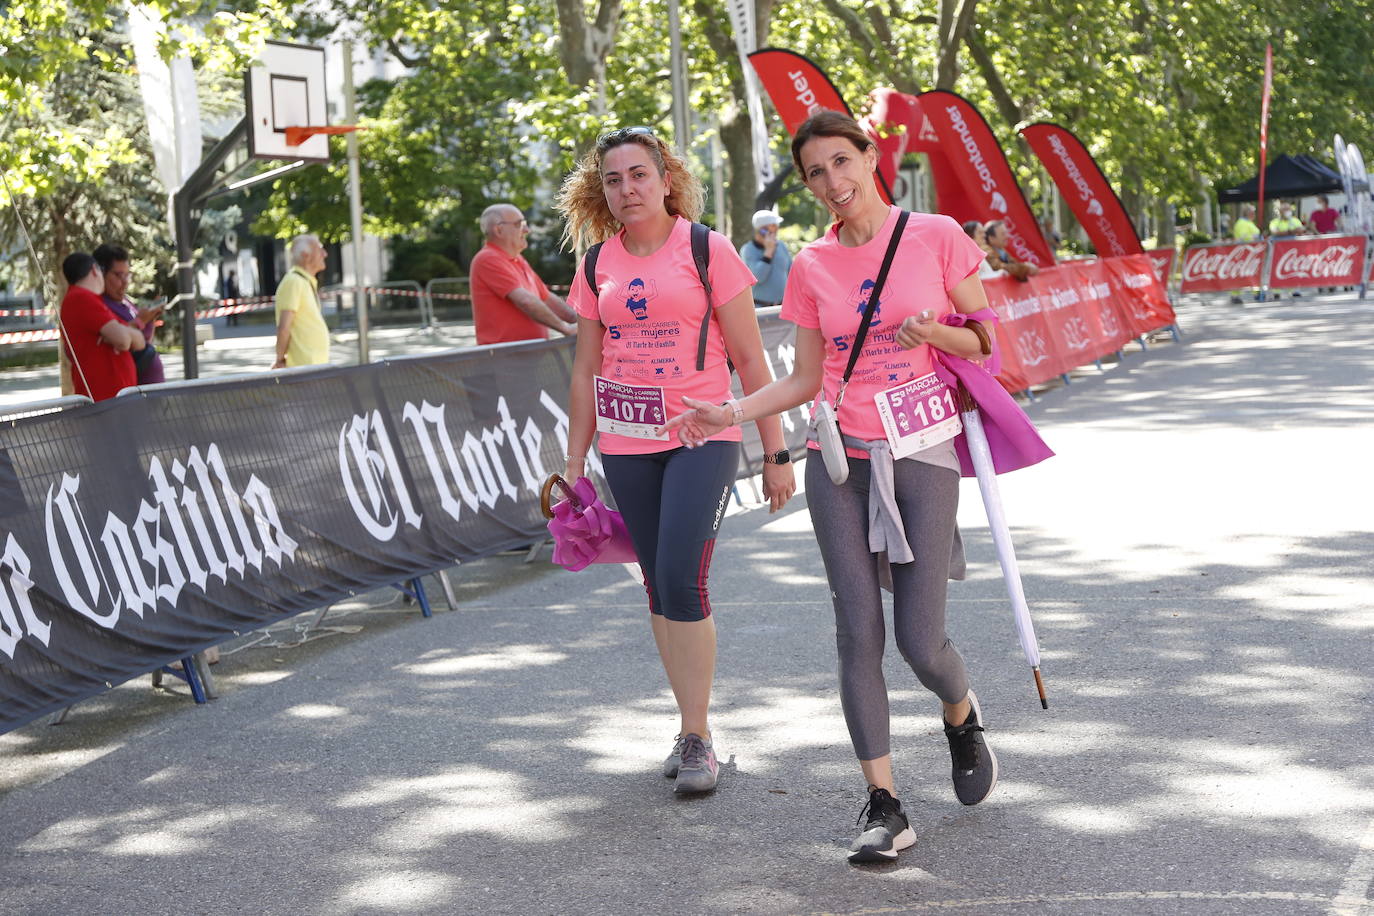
(693, 790)
(904, 840)
(978, 711)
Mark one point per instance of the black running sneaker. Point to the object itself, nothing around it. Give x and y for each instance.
(975, 765)
(886, 831)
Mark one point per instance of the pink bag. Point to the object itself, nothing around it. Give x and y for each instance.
(584, 530)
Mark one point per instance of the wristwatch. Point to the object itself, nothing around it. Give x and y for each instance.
(781, 456)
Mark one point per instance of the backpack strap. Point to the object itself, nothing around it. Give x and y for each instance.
(701, 255)
(589, 267)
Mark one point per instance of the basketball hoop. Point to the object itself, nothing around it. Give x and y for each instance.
(295, 136)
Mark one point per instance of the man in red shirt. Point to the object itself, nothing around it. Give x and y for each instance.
(96, 342)
(1323, 220)
(508, 301)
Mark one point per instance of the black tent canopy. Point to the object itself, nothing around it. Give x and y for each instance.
(1288, 176)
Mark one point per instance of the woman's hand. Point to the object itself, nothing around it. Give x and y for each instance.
(575, 468)
(699, 423)
(916, 330)
(779, 483)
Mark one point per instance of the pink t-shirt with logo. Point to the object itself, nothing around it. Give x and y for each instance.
(652, 308)
(829, 288)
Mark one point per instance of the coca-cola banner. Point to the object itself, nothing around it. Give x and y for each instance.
(1162, 260)
(1326, 260)
(1214, 268)
(1070, 315)
(141, 529)
(1085, 189)
(976, 157)
(798, 89)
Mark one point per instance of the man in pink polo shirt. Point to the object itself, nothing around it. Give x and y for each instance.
(509, 302)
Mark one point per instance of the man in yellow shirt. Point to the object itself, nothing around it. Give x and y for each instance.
(1245, 229)
(302, 336)
(1285, 225)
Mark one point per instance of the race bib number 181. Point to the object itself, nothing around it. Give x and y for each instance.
(918, 414)
(629, 410)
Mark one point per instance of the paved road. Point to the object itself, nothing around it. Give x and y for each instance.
(1197, 557)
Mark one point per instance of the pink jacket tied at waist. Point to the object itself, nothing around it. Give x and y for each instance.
(1012, 438)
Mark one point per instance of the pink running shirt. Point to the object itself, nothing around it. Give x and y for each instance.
(652, 309)
(829, 287)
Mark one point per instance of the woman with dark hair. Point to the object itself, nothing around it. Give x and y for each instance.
(640, 346)
(906, 504)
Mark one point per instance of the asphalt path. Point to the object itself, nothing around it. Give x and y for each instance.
(1197, 558)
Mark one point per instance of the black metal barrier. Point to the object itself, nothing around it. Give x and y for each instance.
(145, 528)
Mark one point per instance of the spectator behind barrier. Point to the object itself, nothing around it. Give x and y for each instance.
(302, 336)
(114, 261)
(1285, 225)
(987, 269)
(1246, 229)
(509, 301)
(1325, 219)
(996, 236)
(768, 259)
(95, 341)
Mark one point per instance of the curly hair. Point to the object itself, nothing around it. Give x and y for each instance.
(582, 199)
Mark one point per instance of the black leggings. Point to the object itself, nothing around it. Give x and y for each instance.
(672, 503)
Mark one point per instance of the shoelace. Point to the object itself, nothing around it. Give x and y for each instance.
(693, 752)
(965, 750)
(886, 804)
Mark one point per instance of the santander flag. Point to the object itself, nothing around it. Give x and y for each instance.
(1085, 189)
(798, 89)
(973, 153)
(910, 131)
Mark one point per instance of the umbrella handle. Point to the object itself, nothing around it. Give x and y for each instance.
(547, 491)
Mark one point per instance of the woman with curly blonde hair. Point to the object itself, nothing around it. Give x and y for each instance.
(649, 335)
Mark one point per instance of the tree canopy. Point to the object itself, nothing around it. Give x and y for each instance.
(498, 98)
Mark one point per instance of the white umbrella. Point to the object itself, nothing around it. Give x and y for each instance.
(1001, 537)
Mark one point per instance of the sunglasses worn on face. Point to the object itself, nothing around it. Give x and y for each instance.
(617, 137)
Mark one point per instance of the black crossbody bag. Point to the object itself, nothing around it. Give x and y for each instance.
(825, 418)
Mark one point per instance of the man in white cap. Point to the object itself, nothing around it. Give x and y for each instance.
(768, 259)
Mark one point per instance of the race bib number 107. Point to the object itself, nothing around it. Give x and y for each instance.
(918, 414)
(629, 410)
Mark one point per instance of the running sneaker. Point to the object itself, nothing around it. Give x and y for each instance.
(674, 760)
(975, 765)
(886, 833)
(698, 771)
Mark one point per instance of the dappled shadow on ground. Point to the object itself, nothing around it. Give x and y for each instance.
(1205, 751)
(1250, 366)
(1199, 743)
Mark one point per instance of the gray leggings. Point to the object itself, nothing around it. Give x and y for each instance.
(928, 499)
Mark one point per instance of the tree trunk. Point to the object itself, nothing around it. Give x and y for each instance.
(585, 44)
(736, 126)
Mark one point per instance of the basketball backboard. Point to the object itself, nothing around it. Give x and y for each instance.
(286, 90)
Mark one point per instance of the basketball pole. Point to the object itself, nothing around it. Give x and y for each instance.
(355, 204)
(192, 193)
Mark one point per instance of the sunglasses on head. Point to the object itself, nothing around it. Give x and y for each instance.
(617, 137)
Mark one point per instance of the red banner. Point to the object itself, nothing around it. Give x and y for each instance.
(1330, 260)
(1162, 260)
(909, 131)
(798, 89)
(1212, 268)
(973, 151)
(1085, 189)
(1070, 315)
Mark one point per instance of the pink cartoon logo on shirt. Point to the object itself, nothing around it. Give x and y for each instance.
(637, 297)
(859, 299)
